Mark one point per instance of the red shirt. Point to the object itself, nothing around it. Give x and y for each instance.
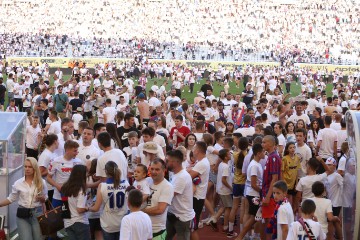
(183, 130)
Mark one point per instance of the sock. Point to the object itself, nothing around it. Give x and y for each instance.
(231, 226)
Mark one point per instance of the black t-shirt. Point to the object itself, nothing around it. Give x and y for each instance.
(123, 135)
(248, 98)
(75, 103)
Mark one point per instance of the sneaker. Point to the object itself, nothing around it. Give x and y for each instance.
(209, 220)
(213, 225)
(231, 234)
(201, 225)
(206, 220)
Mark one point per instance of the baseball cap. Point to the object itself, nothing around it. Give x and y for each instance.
(179, 109)
(150, 147)
(221, 119)
(355, 94)
(230, 121)
(141, 96)
(331, 161)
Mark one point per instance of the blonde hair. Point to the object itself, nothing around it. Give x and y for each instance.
(37, 175)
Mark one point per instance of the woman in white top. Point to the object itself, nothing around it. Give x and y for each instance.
(74, 191)
(31, 192)
(111, 195)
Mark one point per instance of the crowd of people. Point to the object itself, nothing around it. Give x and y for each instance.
(305, 31)
(130, 158)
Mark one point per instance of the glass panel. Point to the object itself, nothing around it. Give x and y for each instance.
(9, 121)
(350, 181)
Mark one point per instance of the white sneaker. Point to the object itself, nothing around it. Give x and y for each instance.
(205, 220)
(201, 225)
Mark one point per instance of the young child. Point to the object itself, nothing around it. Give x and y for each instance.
(283, 215)
(304, 185)
(136, 225)
(224, 185)
(131, 150)
(334, 188)
(306, 227)
(289, 170)
(323, 212)
(141, 183)
(253, 183)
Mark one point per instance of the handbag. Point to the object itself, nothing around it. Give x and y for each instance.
(51, 221)
(25, 212)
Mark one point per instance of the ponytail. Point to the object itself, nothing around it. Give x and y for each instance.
(112, 171)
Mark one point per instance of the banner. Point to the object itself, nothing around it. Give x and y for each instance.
(345, 69)
(55, 62)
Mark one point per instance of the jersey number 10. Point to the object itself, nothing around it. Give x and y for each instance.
(118, 198)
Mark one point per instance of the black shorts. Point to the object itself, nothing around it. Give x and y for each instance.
(336, 211)
(198, 205)
(168, 75)
(88, 115)
(95, 225)
(252, 207)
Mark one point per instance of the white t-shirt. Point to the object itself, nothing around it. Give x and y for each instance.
(115, 155)
(44, 161)
(31, 136)
(296, 230)
(334, 188)
(254, 169)
(211, 156)
(284, 216)
(60, 170)
(323, 206)
(162, 192)
(182, 203)
(223, 171)
(77, 117)
(304, 154)
(87, 153)
(144, 187)
(136, 226)
(55, 128)
(203, 168)
(110, 113)
(305, 184)
(115, 205)
(294, 118)
(76, 202)
(249, 131)
(328, 136)
(282, 140)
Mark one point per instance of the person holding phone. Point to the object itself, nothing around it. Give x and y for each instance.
(31, 192)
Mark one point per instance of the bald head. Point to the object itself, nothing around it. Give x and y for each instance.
(268, 143)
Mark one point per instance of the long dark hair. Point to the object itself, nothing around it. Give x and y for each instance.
(111, 129)
(286, 150)
(314, 131)
(112, 170)
(76, 182)
(243, 145)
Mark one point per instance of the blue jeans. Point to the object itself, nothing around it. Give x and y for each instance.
(78, 231)
(111, 236)
(29, 228)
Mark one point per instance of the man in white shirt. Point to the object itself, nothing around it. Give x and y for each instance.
(326, 143)
(46, 157)
(201, 170)
(33, 138)
(55, 125)
(87, 151)
(60, 169)
(10, 86)
(181, 211)
(299, 115)
(172, 98)
(160, 198)
(109, 112)
(110, 154)
(153, 101)
(246, 129)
